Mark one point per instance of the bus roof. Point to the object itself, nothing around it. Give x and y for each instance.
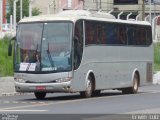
(74, 15)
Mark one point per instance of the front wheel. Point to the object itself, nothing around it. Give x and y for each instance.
(40, 95)
(89, 89)
(134, 88)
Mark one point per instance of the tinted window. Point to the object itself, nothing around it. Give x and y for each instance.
(105, 33)
(78, 43)
(139, 35)
(121, 34)
(117, 34)
(131, 35)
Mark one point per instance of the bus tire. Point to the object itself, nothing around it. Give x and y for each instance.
(89, 89)
(135, 86)
(40, 95)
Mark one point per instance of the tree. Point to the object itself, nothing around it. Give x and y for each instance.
(35, 11)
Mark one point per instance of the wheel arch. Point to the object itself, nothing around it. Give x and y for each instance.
(136, 71)
(91, 74)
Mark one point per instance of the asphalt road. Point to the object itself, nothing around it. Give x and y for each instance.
(71, 106)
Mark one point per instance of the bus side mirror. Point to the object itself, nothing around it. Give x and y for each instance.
(10, 49)
(10, 46)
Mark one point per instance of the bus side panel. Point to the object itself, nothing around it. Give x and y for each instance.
(110, 75)
(113, 66)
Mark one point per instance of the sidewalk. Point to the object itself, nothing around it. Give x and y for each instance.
(156, 78)
(7, 85)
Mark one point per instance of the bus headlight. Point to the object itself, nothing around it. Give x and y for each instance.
(67, 79)
(20, 80)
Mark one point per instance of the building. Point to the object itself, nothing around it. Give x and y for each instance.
(95, 5)
(127, 6)
(3, 19)
(4, 11)
(55, 6)
(42, 5)
(70, 4)
(139, 9)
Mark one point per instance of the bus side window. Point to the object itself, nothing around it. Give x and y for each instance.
(78, 44)
(101, 35)
(148, 35)
(141, 36)
(121, 35)
(111, 34)
(131, 36)
(104, 37)
(94, 30)
(89, 33)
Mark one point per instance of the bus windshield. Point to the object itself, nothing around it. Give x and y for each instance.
(43, 47)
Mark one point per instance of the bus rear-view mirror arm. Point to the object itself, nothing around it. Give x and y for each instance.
(10, 46)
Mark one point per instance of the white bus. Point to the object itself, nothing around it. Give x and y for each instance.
(77, 51)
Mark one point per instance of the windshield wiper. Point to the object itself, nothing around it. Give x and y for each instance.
(50, 57)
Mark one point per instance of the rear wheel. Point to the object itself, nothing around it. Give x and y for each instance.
(134, 88)
(89, 89)
(40, 95)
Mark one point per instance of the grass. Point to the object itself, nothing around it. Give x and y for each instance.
(6, 62)
(157, 57)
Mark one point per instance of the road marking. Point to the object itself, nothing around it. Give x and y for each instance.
(18, 107)
(38, 104)
(32, 102)
(23, 110)
(41, 102)
(15, 102)
(24, 102)
(6, 102)
(64, 102)
(19, 102)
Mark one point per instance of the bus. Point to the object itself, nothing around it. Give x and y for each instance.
(80, 51)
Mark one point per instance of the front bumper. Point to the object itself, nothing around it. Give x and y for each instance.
(46, 87)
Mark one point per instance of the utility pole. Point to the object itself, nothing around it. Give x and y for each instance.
(21, 9)
(100, 4)
(150, 12)
(30, 8)
(97, 5)
(14, 13)
(83, 3)
(54, 2)
(143, 10)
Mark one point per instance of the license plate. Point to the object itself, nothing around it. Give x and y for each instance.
(40, 88)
